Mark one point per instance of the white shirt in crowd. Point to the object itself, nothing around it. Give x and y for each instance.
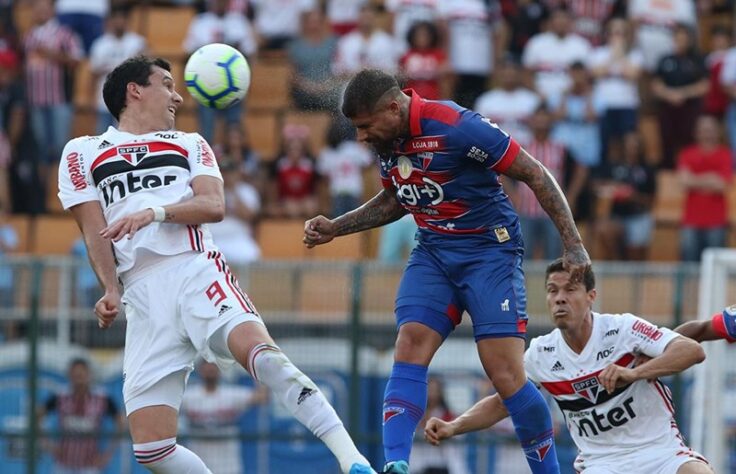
(408, 12)
(344, 166)
(280, 17)
(355, 52)
(216, 413)
(108, 51)
(89, 7)
(344, 11)
(510, 110)
(613, 91)
(233, 28)
(656, 22)
(728, 70)
(234, 237)
(471, 24)
(549, 56)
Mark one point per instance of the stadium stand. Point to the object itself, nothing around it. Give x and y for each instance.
(54, 235)
(270, 85)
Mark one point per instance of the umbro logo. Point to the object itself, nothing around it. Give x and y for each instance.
(557, 367)
(224, 308)
(306, 393)
(104, 144)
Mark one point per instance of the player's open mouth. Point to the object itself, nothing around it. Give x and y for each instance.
(172, 110)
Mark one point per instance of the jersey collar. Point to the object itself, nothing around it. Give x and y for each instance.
(415, 112)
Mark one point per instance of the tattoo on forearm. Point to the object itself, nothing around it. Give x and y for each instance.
(380, 210)
(169, 217)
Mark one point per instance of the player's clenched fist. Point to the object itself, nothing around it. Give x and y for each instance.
(615, 376)
(106, 309)
(318, 230)
(436, 430)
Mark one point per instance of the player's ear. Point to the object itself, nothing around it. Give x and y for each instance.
(591, 296)
(134, 89)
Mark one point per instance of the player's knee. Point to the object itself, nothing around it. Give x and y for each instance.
(695, 467)
(506, 380)
(416, 344)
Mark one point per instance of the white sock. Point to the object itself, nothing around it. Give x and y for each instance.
(305, 401)
(167, 457)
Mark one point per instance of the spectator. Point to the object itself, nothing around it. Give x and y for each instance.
(577, 126)
(238, 151)
(424, 65)
(447, 458)
(524, 20)
(616, 66)
(313, 85)
(655, 22)
(85, 17)
(81, 412)
(510, 105)
(19, 154)
(8, 244)
(704, 170)
(212, 410)
(109, 50)
(537, 228)
(277, 21)
(473, 45)
(342, 163)
(549, 54)
(217, 25)
(397, 240)
(590, 18)
(680, 84)
(407, 12)
(51, 50)
(716, 100)
(365, 47)
(234, 234)
(343, 15)
(627, 184)
(86, 285)
(728, 81)
(294, 180)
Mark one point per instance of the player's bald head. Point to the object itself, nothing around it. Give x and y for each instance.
(367, 90)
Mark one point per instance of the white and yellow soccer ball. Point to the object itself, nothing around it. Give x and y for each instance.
(217, 76)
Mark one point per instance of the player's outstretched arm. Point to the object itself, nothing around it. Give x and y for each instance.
(207, 205)
(382, 209)
(720, 326)
(527, 169)
(484, 414)
(680, 354)
(91, 221)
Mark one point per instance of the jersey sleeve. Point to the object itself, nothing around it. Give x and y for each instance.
(724, 324)
(642, 337)
(75, 182)
(383, 170)
(202, 160)
(483, 141)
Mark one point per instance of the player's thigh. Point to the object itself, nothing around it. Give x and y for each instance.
(695, 467)
(153, 413)
(503, 362)
(492, 290)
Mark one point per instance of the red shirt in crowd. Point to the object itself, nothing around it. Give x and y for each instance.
(296, 180)
(705, 210)
(422, 70)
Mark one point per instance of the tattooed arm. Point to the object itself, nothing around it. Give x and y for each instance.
(384, 208)
(527, 169)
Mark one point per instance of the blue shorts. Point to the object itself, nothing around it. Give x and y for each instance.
(442, 281)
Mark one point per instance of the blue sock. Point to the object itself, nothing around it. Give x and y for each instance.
(533, 424)
(403, 406)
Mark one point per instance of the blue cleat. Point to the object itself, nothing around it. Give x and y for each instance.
(361, 469)
(396, 467)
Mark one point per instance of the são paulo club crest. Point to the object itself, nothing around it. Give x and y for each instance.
(133, 154)
(588, 388)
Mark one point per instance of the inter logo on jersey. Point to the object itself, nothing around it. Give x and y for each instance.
(588, 388)
(133, 154)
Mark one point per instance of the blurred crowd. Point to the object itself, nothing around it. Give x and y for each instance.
(571, 80)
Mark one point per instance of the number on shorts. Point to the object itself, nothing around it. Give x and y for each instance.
(215, 293)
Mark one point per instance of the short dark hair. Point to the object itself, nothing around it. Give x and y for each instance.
(557, 266)
(136, 69)
(78, 361)
(365, 90)
(434, 35)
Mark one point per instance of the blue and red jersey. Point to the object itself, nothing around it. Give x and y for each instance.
(446, 174)
(724, 324)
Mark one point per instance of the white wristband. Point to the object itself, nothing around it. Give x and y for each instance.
(159, 214)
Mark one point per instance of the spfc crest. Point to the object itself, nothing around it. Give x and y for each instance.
(133, 154)
(588, 389)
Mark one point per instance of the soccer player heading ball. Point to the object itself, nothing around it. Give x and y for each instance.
(442, 163)
(142, 195)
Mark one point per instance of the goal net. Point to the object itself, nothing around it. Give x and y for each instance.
(713, 417)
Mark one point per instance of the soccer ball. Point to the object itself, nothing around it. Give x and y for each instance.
(217, 76)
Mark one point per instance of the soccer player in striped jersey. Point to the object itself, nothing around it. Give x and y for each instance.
(142, 195)
(619, 414)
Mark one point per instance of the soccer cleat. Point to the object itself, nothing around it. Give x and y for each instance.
(396, 467)
(361, 469)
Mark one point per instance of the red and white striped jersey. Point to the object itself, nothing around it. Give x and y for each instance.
(127, 173)
(607, 427)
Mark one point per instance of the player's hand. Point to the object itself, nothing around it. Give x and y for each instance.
(576, 261)
(615, 376)
(318, 230)
(436, 430)
(128, 225)
(107, 308)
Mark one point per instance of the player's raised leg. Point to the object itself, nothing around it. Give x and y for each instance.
(695, 467)
(503, 361)
(251, 345)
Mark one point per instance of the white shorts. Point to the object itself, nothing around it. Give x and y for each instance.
(650, 461)
(172, 314)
